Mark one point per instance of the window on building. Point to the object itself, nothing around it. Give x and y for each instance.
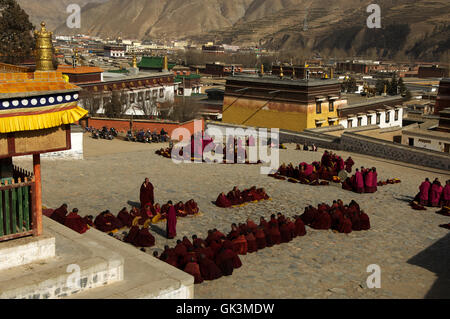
(378, 118)
(147, 95)
(318, 107)
(359, 121)
(350, 123)
(396, 115)
(388, 117)
(140, 97)
(155, 93)
(331, 107)
(161, 93)
(132, 97)
(369, 119)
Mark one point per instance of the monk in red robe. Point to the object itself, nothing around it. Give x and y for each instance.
(187, 242)
(435, 193)
(260, 237)
(208, 269)
(191, 254)
(263, 223)
(198, 241)
(359, 182)
(251, 226)
(234, 233)
(235, 196)
(252, 245)
(223, 201)
(191, 207)
(424, 192)
(336, 218)
(125, 217)
(345, 226)
(300, 226)
(349, 164)
(107, 222)
(275, 235)
(286, 235)
(180, 250)
(193, 269)
(75, 222)
(224, 261)
(180, 209)
(240, 245)
(446, 194)
(365, 221)
(323, 221)
(144, 238)
(369, 187)
(171, 225)
(59, 214)
(132, 235)
(309, 215)
(146, 193)
(228, 245)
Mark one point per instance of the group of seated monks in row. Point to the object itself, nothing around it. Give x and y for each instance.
(236, 197)
(71, 220)
(432, 195)
(366, 181)
(338, 217)
(218, 254)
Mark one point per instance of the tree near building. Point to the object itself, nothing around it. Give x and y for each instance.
(393, 86)
(16, 39)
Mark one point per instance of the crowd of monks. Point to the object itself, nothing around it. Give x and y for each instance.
(237, 198)
(432, 195)
(71, 220)
(327, 170)
(218, 254)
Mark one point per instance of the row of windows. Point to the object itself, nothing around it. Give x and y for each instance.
(377, 119)
(319, 107)
(147, 95)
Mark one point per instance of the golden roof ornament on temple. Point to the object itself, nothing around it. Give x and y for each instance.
(281, 71)
(44, 49)
(166, 63)
(135, 62)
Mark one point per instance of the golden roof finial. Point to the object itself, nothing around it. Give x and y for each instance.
(166, 64)
(135, 62)
(44, 49)
(262, 69)
(281, 71)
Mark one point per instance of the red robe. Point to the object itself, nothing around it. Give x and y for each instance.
(424, 192)
(240, 245)
(223, 201)
(252, 246)
(146, 194)
(107, 222)
(365, 221)
(209, 269)
(345, 226)
(251, 226)
(144, 238)
(76, 223)
(59, 215)
(300, 227)
(224, 261)
(260, 237)
(171, 225)
(323, 221)
(125, 218)
(193, 269)
(285, 232)
(132, 235)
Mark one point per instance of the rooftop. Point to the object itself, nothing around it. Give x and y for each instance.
(68, 69)
(284, 81)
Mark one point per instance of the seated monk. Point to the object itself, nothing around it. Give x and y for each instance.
(89, 220)
(273, 221)
(345, 226)
(240, 245)
(285, 232)
(208, 269)
(323, 221)
(275, 235)
(243, 228)
(193, 269)
(234, 233)
(235, 196)
(263, 223)
(336, 218)
(75, 222)
(252, 245)
(356, 221)
(262, 193)
(170, 260)
(215, 246)
(291, 227)
(261, 238)
(180, 209)
(125, 217)
(107, 222)
(192, 207)
(207, 251)
(223, 201)
(224, 260)
(251, 226)
(280, 218)
(187, 242)
(234, 256)
(133, 233)
(144, 237)
(191, 254)
(198, 241)
(59, 214)
(309, 215)
(365, 221)
(300, 226)
(180, 249)
(445, 211)
(415, 205)
(158, 215)
(248, 195)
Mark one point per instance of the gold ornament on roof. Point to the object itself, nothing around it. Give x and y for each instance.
(44, 49)
(134, 62)
(281, 72)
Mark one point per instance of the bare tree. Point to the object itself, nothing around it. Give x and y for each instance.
(183, 111)
(89, 101)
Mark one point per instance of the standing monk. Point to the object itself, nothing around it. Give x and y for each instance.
(146, 194)
(349, 164)
(424, 192)
(446, 194)
(359, 182)
(171, 221)
(435, 193)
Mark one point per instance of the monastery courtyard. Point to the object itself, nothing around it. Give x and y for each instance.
(409, 246)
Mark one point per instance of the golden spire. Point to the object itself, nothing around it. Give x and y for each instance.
(197, 71)
(166, 64)
(293, 72)
(262, 69)
(44, 49)
(135, 62)
(281, 71)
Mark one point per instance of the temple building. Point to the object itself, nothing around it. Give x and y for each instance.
(36, 110)
(295, 105)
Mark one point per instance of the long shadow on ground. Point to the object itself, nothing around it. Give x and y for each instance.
(436, 258)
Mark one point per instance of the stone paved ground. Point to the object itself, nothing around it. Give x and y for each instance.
(408, 245)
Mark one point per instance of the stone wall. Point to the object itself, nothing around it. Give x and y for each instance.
(352, 142)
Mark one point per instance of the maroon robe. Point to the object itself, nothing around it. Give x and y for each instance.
(144, 238)
(345, 226)
(224, 261)
(59, 214)
(260, 237)
(223, 201)
(365, 221)
(323, 221)
(171, 225)
(209, 270)
(132, 235)
(107, 222)
(76, 223)
(424, 192)
(193, 269)
(252, 246)
(300, 227)
(125, 217)
(285, 232)
(146, 194)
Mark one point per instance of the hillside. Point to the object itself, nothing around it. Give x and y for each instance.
(330, 26)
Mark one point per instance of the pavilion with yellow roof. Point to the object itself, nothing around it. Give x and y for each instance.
(36, 110)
